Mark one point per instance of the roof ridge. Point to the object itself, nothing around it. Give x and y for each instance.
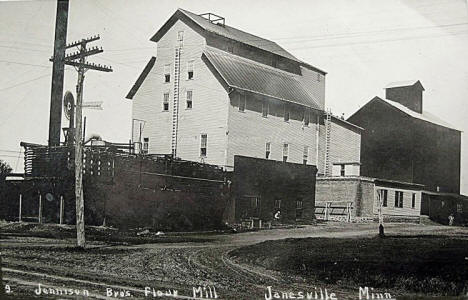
(425, 116)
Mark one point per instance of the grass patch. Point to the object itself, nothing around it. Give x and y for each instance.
(424, 264)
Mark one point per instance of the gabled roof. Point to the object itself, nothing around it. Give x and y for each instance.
(425, 116)
(247, 75)
(404, 83)
(203, 25)
(141, 78)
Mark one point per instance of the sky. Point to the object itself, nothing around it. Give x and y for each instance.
(362, 44)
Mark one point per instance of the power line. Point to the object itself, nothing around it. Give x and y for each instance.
(25, 64)
(24, 82)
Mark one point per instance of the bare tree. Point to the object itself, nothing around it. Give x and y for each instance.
(5, 169)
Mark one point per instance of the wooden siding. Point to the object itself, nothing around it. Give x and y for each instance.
(345, 145)
(249, 131)
(398, 147)
(210, 101)
(315, 84)
(391, 210)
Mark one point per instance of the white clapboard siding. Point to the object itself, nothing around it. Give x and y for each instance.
(406, 210)
(249, 132)
(210, 101)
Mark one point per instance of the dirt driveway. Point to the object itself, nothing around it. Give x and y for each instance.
(109, 272)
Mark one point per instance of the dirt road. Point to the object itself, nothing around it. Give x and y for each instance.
(109, 272)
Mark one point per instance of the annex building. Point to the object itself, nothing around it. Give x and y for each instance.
(404, 143)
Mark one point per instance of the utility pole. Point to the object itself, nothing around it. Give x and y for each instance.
(55, 118)
(78, 60)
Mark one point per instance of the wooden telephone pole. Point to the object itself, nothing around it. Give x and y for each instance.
(78, 60)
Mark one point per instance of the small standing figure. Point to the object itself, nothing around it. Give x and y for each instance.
(451, 219)
(277, 216)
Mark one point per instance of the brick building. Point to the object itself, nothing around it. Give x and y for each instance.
(403, 142)
(214, 92)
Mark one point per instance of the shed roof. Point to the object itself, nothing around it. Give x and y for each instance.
(244, 74)
(425, 116)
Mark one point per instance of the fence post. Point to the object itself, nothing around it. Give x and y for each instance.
(61, 210)
(20, 205)
(348, 212)
(326, 211)
(40, 209)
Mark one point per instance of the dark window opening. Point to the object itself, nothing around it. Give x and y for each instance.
(398, 199)
(305, 155)
(285, 152)
(413, 200)
(385, 197)
(265, 109)
(145, 148)
(286, 113)
(253, 202)
(189, 100)
(242, 102)
(306, 118)
(342, 170)
(299, 209)
(190, 69)
(203, 144)
(166, 102)
(267, 150)
(277, 204)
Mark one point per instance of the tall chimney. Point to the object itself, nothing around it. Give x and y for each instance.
(407, 93)
(56, 94)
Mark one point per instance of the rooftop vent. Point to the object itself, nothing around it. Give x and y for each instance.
(213, 18)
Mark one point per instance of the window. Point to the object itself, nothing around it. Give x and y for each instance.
(203, 144)
(318, 77)
(180, 36)
(398, 199)
(230, 48)
(265, 109)
(384, 195)
(254, 202)
(342, 170)
(189, 100)
(299, 209)
(305, 154)
(286, 113)
(277, 204)
(306, 118)
(242, 102)
(166, 102)
(167, 73)
(459, 208)
(145, 148)
(285, 152)
(267, 150)
(190, 65)
(413, 200)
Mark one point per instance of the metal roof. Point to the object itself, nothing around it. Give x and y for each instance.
(425, 116)
(248, 75)
(202, 25)
(403, 83)
(239, 35)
